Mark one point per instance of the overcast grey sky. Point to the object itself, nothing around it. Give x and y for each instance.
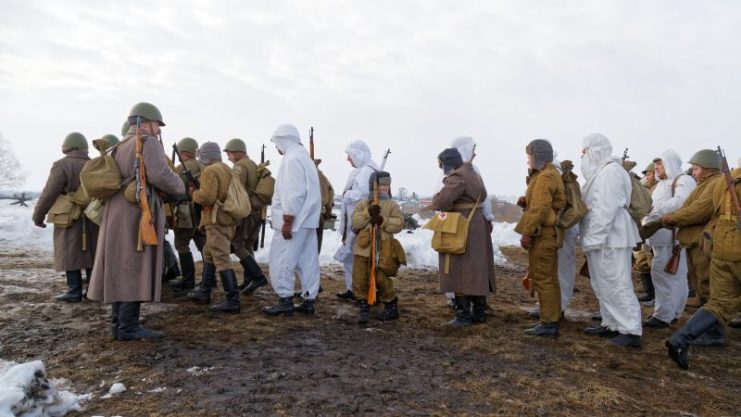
(409, 75)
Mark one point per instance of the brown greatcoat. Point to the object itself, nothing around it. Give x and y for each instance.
(121, 273)
(64, 178)
(471, 273)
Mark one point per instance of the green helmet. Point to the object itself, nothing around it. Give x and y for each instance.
(649, 168)
(235, 145)
(706, 158)
(112, 139)
(74, 140)
(188, 145)
(147, 111)
(125, 127)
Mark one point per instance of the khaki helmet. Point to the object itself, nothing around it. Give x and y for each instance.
(235, 145)
(125, 127)
(188, 145)
(147, 111)
(112, 139)
(74, 140)
(649, 168)
(706, 158)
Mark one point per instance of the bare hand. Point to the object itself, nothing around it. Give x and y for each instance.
(525, 242)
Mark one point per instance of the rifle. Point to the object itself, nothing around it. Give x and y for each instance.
(147, 233)
(264, 209)
(672, 265)
(625, 155)
(374, 250)
(311, 143)
(385, 158)
(188, 175)
(731, 186)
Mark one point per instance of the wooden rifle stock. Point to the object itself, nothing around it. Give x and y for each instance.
(672, 266)
(147, 234)
(730, 184)
(374, 250)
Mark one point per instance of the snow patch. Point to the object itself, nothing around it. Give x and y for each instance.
(198, 371)
(26, 391)
(116, 388)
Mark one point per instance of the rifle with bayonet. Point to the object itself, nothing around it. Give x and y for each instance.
(264, 209)
(147, 233)
(385, 158)
(311, 143)
(731, 185)
(188, 175)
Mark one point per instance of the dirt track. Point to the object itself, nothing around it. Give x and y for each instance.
(249, 364)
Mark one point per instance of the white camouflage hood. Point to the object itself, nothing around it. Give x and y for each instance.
(672, 163)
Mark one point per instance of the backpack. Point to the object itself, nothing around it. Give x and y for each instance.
(640, 199)
(100, 177)
(575, 208)
(237, 201)
(265, 183)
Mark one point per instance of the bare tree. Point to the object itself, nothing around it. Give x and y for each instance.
(11, 174)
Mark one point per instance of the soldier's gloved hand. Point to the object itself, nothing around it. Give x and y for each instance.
(41, 225)
(287, 225)
(526, 241)
(374, 210)
(376, 220)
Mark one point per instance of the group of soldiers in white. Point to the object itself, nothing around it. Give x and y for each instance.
(689, 230)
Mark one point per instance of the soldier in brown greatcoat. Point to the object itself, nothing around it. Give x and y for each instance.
(123, 275)
(469, 275)
(74, 245)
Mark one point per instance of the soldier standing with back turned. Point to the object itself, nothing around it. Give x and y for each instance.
(74, 245)
(248, 229)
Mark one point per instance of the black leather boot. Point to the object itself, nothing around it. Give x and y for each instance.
(229, 282)
(306, 307)
(129, 327)
(74, 288)
(478, 311)
(648, 287)
(114, 320)
(678, 345)
(364, 316)
(86, 281)
(654, 323)
(170, 269)
(203, 293)
(543, 330)
(714, 336)
(462, 313)
(284, 306)
(347, 295)
(390, 311)
(626, 340)
(600, 331)
(257, 277)
(247, 277)
(187, 280)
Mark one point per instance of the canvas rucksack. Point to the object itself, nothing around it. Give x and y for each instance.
(237, 201)
(100, 177)
(575, 208)
(640, 199)
(265, 183)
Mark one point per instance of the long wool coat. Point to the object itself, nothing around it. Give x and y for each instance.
(471, 273)
(121, 273)
(65, 178)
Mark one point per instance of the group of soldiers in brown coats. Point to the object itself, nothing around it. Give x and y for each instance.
(469, 276)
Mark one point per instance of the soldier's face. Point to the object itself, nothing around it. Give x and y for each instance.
(352, 164)
(530, 160)
(697, 172)
(650, 176)
(383, 189)
(660, 172)
(232, 157)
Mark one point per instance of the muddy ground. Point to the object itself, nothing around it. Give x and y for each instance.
(249, 364)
